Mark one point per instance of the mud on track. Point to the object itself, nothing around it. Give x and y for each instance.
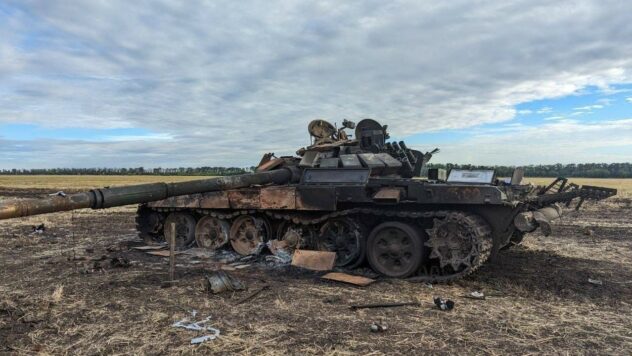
(541, 301)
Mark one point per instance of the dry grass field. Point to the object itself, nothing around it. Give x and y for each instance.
(539, 298)
(83, 182)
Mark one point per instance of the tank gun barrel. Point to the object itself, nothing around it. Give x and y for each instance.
(136, 194)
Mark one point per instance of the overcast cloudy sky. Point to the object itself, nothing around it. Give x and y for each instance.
(167, 83)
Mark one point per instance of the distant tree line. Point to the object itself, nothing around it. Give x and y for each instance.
(587, 170)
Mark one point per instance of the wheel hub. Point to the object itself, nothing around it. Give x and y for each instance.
(395, 249)
(248, 233)
(212, 233)
(343, 236)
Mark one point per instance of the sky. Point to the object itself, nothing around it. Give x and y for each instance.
(90, 83)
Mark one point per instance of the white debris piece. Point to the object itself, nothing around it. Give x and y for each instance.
(596, 282)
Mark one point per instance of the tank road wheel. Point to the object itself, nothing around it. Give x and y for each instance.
(291, 237)
(247, 233)
(395, 249)
(149, 225)
(345, 237)
(460, 242)
(185, 229)
(212, 233)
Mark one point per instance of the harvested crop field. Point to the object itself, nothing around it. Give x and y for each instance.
(58, 297)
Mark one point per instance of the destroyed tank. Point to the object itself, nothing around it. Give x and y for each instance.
(358, 195)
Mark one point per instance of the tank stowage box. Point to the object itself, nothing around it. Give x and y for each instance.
(359, 196)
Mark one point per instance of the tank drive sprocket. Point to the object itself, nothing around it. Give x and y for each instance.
(149, 224)
(459, 243)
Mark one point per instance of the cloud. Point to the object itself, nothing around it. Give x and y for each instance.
(589, 107)
(629, 99)
(554, 142)
(227, 81)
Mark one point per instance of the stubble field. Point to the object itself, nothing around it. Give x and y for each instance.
(539, 299)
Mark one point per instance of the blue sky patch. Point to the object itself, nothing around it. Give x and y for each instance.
(25, 132)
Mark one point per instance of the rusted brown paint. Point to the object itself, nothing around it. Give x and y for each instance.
(388, 195)
(278, 198)
(314, 260)
(245, 198)
(215, 200)
(348, 278)
(463, 193)
(184, 201)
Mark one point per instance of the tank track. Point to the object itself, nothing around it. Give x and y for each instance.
(474, 224)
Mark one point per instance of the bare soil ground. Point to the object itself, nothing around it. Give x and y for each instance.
(539, 298)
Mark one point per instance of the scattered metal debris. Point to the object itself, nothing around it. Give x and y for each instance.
(253, 294)
(314, 260)
(39, 229)
(475, 295)
(597, 282)
(220, 281)
(384, 305)
(376, 328)
(161, 253)
(444, 304)
(149, 247)
(347, 278)
(280, 250)
(198, 326)
(195, 326)
(201, 339)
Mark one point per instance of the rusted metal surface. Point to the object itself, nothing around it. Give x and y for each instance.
(278, 198)
(137, 194)
(212, 233)
(184, 201)
(388, 195)
(348, 278)
(314, 260)
(248, 233)
(245, 198)
(215, 200)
